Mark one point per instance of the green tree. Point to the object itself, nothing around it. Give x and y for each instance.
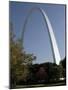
(63, 63)
(19, 60)
(54, 72)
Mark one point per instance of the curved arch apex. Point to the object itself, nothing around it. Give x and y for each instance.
(54, 46)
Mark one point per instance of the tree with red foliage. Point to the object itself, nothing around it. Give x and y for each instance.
(41, 74)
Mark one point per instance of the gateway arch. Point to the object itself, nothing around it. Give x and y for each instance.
(54, 46)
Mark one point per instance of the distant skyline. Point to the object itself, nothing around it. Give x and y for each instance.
(36, 39)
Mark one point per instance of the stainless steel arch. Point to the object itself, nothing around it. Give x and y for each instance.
(54, 46)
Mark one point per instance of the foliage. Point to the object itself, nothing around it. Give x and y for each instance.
(41, 74)
(63, 63)
(19, 60)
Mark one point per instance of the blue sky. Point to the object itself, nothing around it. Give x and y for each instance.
(36, 39)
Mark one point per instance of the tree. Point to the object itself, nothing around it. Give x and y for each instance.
(41, 74)
(63, 63)
(19, 60)
(54, 72)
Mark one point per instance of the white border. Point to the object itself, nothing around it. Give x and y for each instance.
(4, 43)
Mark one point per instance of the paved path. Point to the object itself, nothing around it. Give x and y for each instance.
(40, 85)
